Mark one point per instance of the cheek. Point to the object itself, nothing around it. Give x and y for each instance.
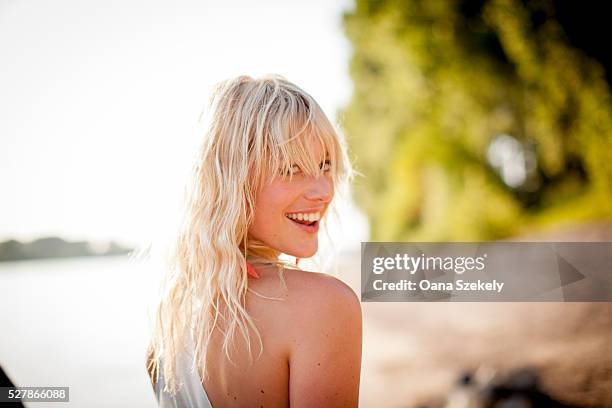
(270, 209)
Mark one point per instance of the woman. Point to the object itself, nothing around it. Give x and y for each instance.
(236, 326)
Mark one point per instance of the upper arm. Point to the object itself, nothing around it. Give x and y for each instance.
(325, 350)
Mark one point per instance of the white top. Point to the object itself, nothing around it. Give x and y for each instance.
(191, 393)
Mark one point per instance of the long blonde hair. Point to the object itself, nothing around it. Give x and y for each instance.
(258, 129)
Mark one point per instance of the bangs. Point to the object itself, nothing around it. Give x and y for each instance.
(305, 138)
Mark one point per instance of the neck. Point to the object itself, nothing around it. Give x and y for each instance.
(258, 258)
(258, 252)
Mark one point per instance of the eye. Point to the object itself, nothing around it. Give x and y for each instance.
(325, 166)
(294, 169)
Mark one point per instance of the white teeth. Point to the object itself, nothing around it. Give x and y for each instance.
(310, 217)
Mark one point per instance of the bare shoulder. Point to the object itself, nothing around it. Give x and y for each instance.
(319, 301)
(313, 304)
(318, 291)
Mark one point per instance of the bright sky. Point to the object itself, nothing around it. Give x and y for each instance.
(100, 102)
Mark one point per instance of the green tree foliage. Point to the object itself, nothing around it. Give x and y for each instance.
(435, 82)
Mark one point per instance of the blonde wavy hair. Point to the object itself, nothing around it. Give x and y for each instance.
(258, 129)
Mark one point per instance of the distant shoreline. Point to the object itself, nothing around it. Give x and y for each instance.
(57, 248)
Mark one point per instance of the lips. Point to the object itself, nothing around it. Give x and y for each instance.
(302, 222)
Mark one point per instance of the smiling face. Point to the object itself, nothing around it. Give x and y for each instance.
(288, 210)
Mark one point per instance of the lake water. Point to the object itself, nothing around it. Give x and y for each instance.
(80, 323)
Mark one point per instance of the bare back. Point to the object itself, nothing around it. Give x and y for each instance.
(290, 330)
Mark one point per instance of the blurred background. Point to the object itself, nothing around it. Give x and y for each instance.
(468, 120)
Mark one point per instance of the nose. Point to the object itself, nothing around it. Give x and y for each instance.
(320, 189)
